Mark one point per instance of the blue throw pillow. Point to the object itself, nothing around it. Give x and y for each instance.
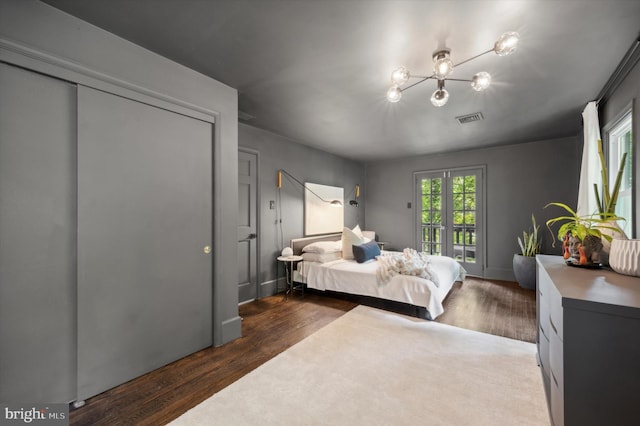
(366, 251)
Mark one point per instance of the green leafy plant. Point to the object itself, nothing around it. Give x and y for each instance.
(607, 204)
(580, 226)
(529, 243)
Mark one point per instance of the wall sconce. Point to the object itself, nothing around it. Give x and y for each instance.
(355, 202)
(335, 203)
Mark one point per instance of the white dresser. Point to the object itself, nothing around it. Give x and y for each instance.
(588, 343)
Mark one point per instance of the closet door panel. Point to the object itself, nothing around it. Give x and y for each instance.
(144, 220)
(37, 237)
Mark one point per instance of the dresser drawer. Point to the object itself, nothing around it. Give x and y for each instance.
(555, 313)
(543, 281)
(556, 360)
(544, 354)
(544, 312)
(556, 400)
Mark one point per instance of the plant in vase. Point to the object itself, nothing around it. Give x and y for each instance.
(524, 263)
(607, 201)
(581, 236)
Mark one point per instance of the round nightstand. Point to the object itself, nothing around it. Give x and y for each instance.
(288, 272)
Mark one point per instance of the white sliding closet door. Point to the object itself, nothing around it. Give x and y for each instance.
(144, 236)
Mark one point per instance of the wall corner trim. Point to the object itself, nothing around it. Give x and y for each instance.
(231, 330)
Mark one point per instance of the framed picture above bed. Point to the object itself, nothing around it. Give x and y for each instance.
(320, 215)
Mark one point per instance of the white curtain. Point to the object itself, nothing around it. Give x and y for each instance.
(590, 169)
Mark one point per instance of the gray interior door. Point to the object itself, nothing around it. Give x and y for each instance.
(247, 226)
(37, 237)
(144, 231)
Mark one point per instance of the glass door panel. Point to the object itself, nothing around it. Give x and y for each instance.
(464, 218)
(431, 215)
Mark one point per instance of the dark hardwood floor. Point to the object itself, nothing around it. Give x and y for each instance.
(496, 307)
(270, 326)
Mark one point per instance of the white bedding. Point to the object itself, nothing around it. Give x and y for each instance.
(348, 276)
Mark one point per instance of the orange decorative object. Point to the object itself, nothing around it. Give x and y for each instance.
(566, 254)
(583, 258)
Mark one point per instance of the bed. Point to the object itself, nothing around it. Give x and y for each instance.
(337, 274)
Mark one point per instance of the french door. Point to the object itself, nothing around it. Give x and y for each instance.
(450, 215)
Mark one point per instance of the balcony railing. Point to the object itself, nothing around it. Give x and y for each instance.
(464, 240)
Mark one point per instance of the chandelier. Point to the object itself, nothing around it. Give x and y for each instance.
(442, 68)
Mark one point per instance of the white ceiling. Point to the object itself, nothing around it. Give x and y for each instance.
(316, 71)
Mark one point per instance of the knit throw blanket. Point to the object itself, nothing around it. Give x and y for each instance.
(409, 262)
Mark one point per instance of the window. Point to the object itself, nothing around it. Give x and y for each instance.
(619, 141)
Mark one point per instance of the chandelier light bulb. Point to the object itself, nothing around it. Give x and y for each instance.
(394, 94)
(481, 81)
(400, 76)
(439, 97)
(442, 65)
(507, 43)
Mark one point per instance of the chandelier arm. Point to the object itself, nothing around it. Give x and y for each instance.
(417, 82)
(458, 79)
(474, 57)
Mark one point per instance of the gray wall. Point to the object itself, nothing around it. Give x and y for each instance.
(520, 180)
(305, 164)
(31, 29)
(628, 91)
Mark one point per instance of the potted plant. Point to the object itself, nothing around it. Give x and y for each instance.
(581, 236)
(524, 263)
(607, 201)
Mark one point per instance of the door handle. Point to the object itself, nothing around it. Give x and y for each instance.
(252, 236)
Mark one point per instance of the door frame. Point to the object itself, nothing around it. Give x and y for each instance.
(259, 294)
(482, 210)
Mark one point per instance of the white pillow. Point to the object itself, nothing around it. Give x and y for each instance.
(369, 234)
(351, 237)
(323, 247)
(322, 257)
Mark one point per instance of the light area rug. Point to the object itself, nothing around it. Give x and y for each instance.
(375, 367)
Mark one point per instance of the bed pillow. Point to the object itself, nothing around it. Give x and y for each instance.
(369, 234)
(322, 257)
(366, 251)
(351, 237)
(323, 247)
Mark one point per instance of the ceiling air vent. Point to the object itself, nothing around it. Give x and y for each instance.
(469, 118)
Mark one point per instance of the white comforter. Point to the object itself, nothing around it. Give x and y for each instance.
(348, 276)
(409, 262)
